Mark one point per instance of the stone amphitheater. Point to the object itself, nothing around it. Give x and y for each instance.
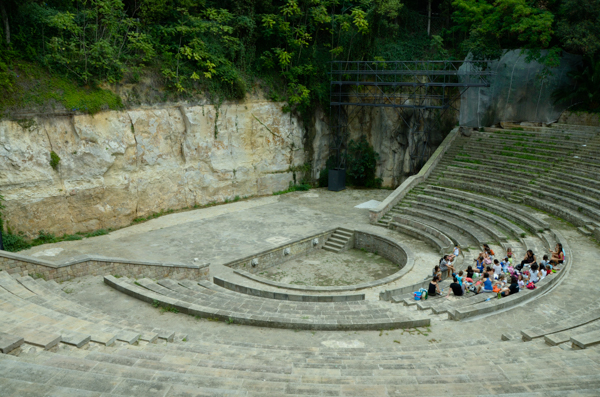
(185, 310)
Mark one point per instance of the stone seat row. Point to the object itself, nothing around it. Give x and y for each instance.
(479, 304)
(188, 297)
(487, 222)
(574, 207)
(130, 376)
(581, 328)
(551, 203)
(589, 187)
(476, 305)
(555, 144)
(571, 131)
(244, 288)
(482, 230)
(36, 315)
(558, 156)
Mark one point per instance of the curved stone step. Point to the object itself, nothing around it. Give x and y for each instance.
(457, 224)
(507, 210)
(435, 238)
(243, 289)
(497, 235)
(507, 227)
(315, 316)
(459, 237)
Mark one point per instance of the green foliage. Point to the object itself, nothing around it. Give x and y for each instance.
(168, 308)
(15, 242)
(33, 86)
(54, 160)
(293, 188)
(99, 232)
(578, 26)
(324, 177)
(44, 238)
(95, 41)
(495, 25)
(584, 88)
(72, 237)
(361, 164)
(222, 49)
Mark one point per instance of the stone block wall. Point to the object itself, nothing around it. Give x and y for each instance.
(285, 252)
(96, 266)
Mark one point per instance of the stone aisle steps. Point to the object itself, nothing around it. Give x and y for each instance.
(565, 336)
(339, 240)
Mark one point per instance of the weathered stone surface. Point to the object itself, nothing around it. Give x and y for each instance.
(119, 165)
(9, 342)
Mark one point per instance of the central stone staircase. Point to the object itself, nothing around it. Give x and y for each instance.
(340, 240)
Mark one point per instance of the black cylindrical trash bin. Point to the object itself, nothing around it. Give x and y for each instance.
(337, 179)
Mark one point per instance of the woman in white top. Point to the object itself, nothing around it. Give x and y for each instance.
(497, 268)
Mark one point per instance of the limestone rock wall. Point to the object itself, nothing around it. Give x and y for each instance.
(394, 135)
(119, 165)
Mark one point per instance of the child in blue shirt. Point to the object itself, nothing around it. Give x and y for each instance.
(505, 264)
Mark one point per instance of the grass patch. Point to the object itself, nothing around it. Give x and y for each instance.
(99, 232)
(169, 308)
(36, 87)
(469, 161)
(293, 188)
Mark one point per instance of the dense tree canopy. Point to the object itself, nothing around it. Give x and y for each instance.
(224, 47)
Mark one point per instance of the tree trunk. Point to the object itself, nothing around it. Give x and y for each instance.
(5, 20)
(429, 18)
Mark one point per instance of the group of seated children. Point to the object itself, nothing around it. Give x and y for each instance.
(493, 276)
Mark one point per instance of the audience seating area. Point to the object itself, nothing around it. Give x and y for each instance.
(493, 187)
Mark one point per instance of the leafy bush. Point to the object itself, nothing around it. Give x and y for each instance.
(361, 164)
(45, 238)
(14, 242)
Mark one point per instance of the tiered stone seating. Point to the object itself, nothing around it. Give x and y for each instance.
(478, 186)
(62, 348)
(491, 163)
(191, 298)
(210, 368)
(42, 317)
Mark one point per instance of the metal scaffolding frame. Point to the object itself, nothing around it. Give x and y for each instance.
(413, 88)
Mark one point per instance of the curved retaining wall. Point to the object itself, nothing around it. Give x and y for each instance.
(381, 245)
(285, 252)
(284, 296)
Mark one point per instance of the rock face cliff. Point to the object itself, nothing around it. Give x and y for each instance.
(119, 165)
(403, 140)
